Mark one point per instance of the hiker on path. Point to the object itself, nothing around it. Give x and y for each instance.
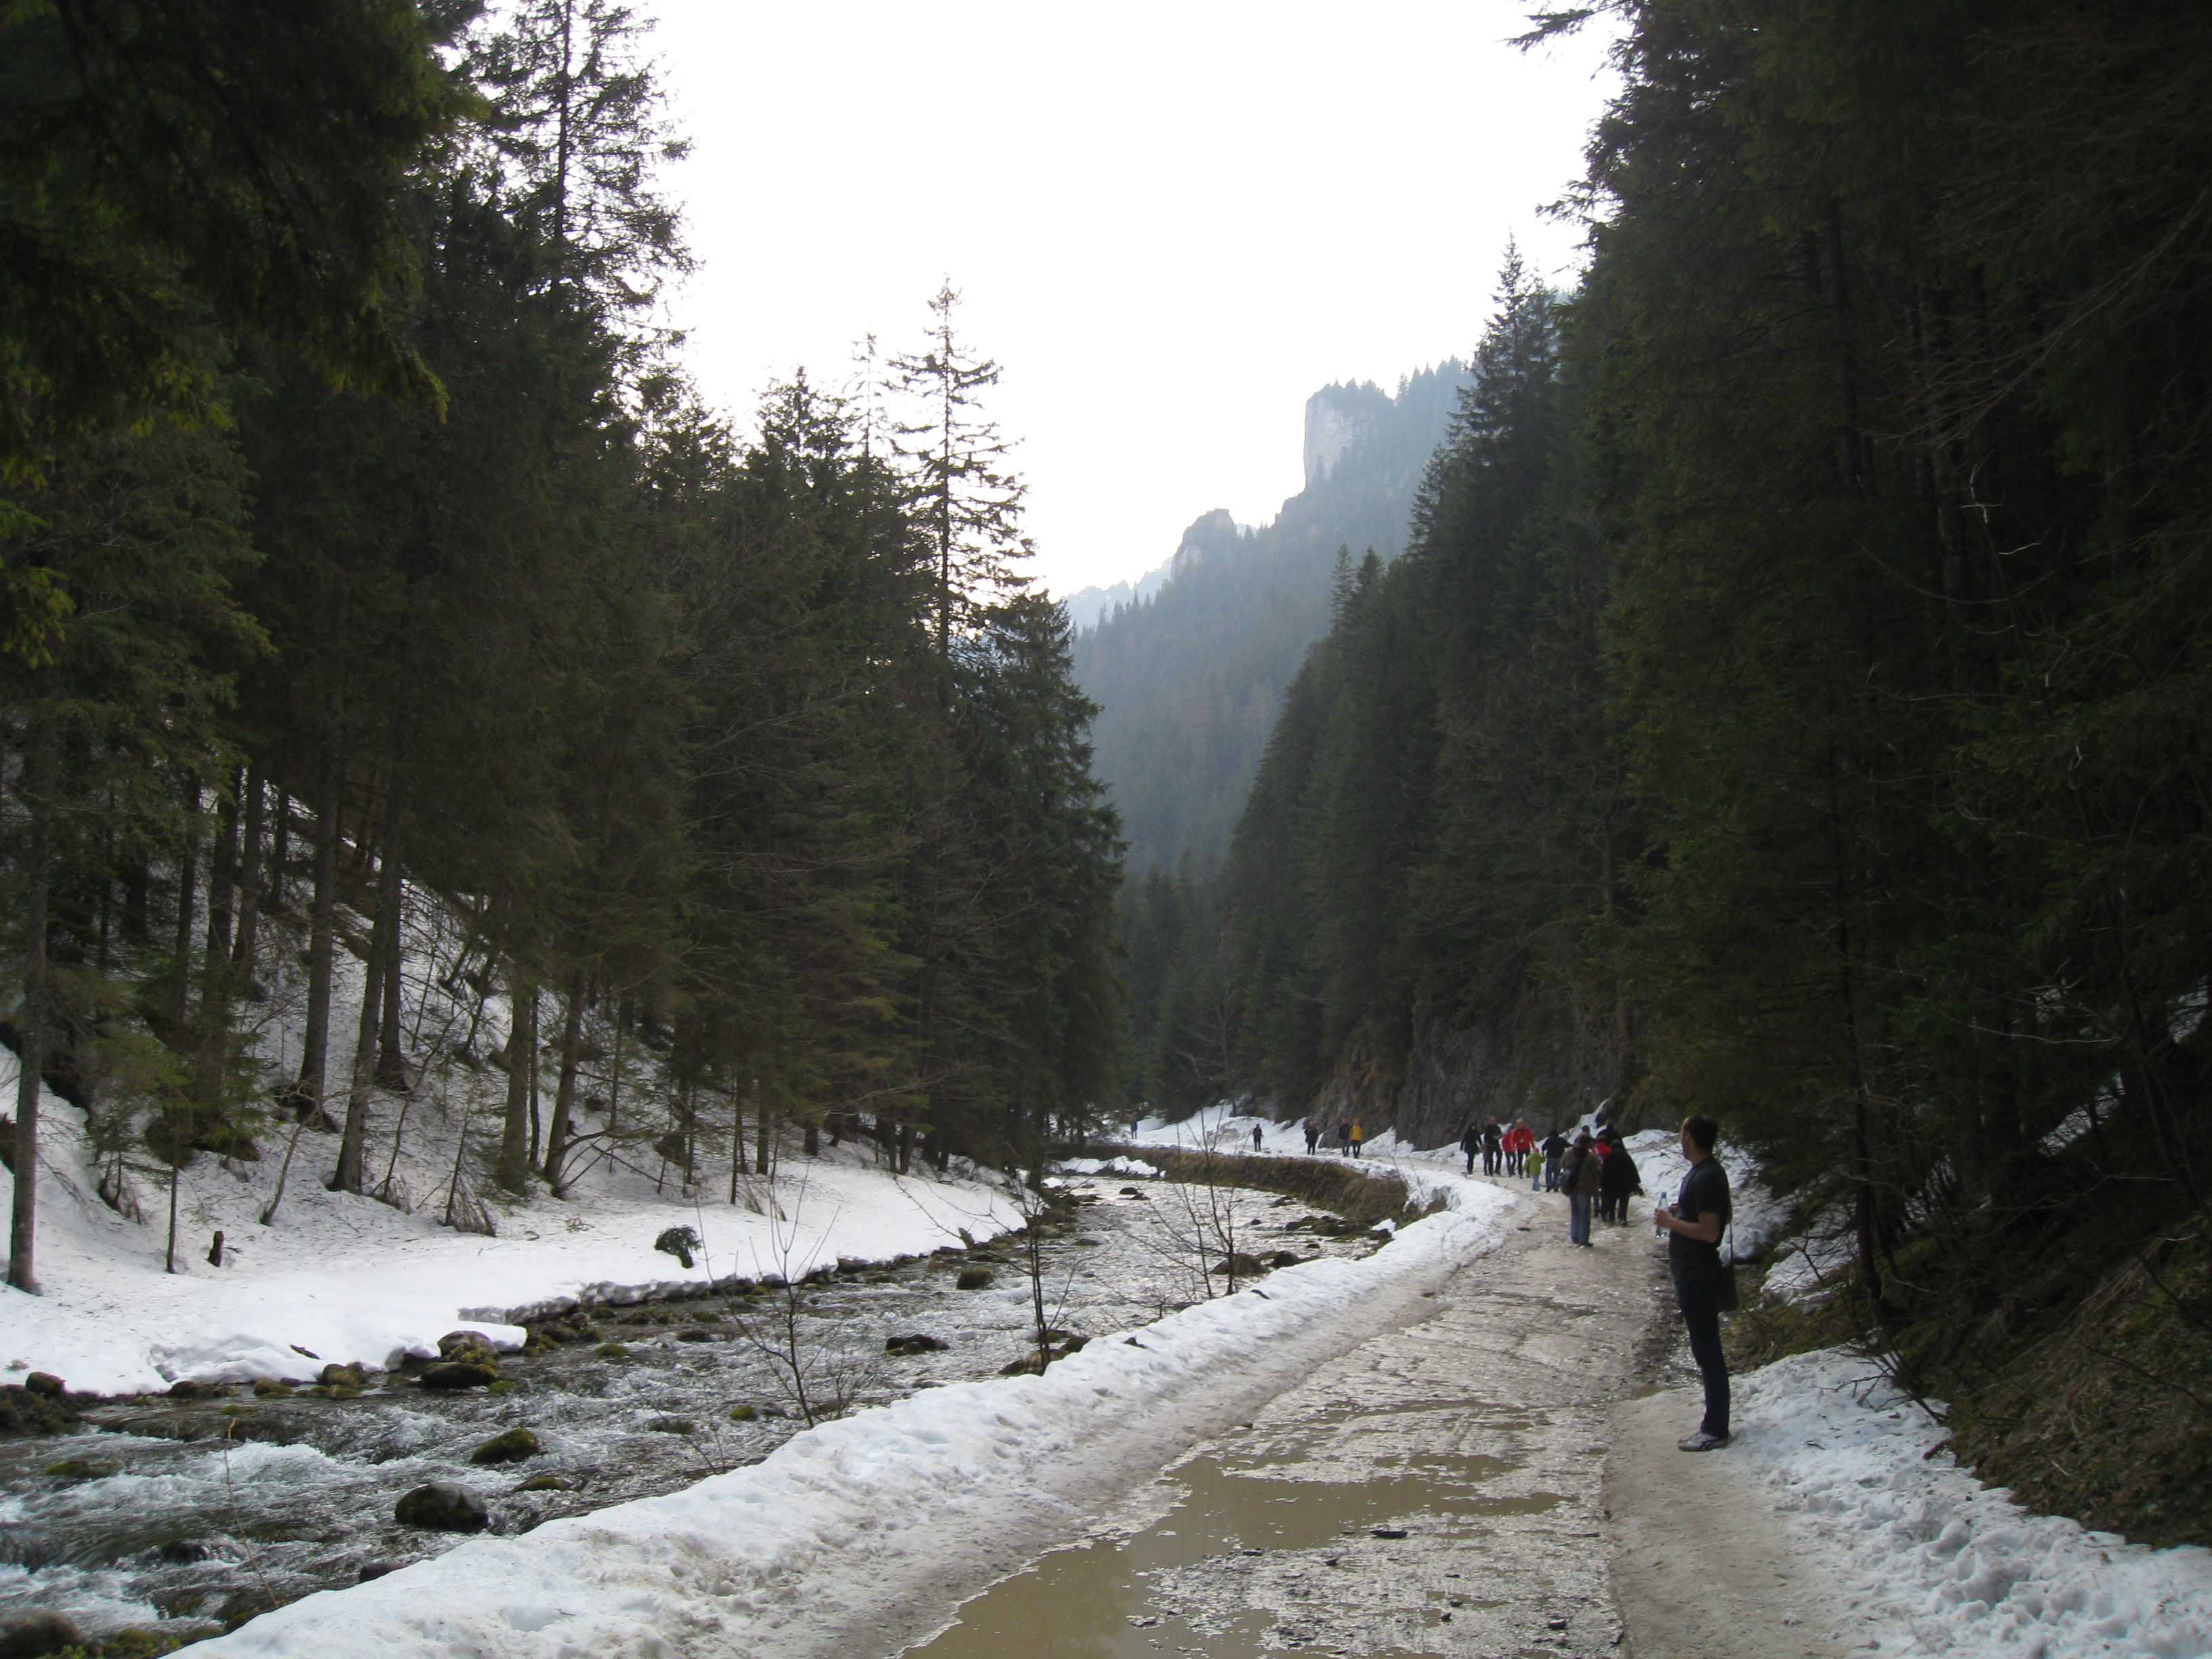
(1313, 1136)
(1605, 1149)
(1578, 1174)
(1618, 1182)
(1359, 1134)
(1470, 1142)
(1492, 1137)
(1255, 1136)
(1344, 1138)
(1694, 1224)
(1520, 1141)
(1554, 1148)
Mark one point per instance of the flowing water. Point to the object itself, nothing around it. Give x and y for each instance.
(197, 1514)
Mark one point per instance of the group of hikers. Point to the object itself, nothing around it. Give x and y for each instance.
(1350, 1134)
(1594, 1168)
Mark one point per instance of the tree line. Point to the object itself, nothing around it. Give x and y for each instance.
(367, 552)
(1793, 703)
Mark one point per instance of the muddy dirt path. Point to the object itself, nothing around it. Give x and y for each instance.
(1500, 1478)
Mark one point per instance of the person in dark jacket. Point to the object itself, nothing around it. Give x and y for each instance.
(1492, 1138)
(1470, 1142)
(1579, 1172)
(1618, 1182)
(1553, 1149)
(1313, 1136)
(1695, 1223)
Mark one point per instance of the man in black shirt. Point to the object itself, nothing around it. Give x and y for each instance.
(1695, 1225)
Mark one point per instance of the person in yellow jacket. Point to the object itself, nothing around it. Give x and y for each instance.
(1359, 1134)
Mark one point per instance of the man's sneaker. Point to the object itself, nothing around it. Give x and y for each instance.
(1702, 1442)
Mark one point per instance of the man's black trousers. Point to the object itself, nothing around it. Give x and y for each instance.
(1698, 1294)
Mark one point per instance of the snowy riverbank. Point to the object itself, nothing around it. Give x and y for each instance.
(344, 1278)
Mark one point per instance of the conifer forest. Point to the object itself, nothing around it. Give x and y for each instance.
(367, 549)
(1789, 699)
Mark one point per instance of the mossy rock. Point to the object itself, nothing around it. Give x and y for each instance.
(46, 1383)
(510, 1447)
(343, 1377)
(611, 1351)
(974, 1279)
(82, 1469)
(916, 1343)
(443, 1506)
(673, 1425)
(546, 1483)
(743, 1413)
(457, 1374)
(34, 1632)
(269, 1388)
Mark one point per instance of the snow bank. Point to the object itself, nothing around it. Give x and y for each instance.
(1932, 1561)
(920, 1503)
(344, 1278)
(1127, 1166)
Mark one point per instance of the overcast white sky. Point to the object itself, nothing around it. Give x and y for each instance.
(1171, 222)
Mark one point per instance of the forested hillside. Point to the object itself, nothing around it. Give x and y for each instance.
(1187, 679)
(1793, 704)
(365, 550)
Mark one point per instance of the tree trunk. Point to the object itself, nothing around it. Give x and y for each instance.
(764, 1157)
(222, 878)
(392, 903)
(244, 942)
(353, 1145)
(521, 1063)
(614, 1079)
(564, 1096)
(322, 924)
(23, 1232)
(188, 870)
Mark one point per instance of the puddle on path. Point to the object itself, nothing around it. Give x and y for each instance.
(1108, 1600)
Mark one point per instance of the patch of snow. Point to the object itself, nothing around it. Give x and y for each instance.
(1127, 1166)
(1933, 1562)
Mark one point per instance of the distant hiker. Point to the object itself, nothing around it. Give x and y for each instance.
(1604, 1138)
(1492, 1137)
(1520, 1141)
(1618, 1182)
(1554, 1148)
(1694, 1224)
(1470, 1142)
(1344, 1137)
(1578, 1174)
(1313, 1136)
(1255, 1136)
(1358, 1135)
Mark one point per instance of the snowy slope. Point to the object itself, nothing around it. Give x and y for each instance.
(1932, 1561)
(915, 1504)
(344, 1278)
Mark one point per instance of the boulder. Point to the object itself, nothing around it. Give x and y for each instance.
(511, 1446)
(378, 1569)
(442, 1506)
(457, 1374)
(342, 1376)
(465, 1345)
(82, 1468)
(546, 1483)
(974, 1279)
(1244, 1266)
(917, 1343)
(47, 1383)
(673, 1425)
(37, 1631)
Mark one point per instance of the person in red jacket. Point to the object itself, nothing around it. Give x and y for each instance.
(1519, 1140)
